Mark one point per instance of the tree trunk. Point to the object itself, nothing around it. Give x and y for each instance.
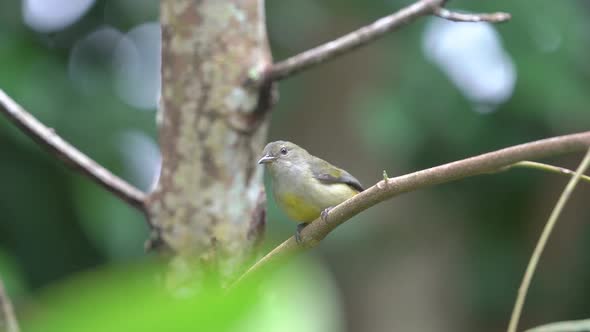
(213, 123)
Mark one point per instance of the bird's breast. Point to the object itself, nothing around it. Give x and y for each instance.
(303, 197)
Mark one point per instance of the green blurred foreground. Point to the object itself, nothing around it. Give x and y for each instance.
(298, 298)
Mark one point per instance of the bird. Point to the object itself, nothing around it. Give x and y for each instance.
(305, 187)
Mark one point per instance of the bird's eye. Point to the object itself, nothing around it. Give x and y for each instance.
(283, 151)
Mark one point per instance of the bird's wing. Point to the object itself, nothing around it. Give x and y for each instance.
(328, 173)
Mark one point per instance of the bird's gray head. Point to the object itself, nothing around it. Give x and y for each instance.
(282, 153)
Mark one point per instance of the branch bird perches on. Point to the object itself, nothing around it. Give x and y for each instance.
(490, 162)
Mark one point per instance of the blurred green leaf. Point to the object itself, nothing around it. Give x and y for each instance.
(298, 298)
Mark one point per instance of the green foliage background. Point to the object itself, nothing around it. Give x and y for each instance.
(448, 258)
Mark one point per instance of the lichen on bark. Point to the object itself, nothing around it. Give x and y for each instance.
(213, 125)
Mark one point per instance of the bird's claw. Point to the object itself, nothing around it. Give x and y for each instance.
(300, 227)
(324, 214)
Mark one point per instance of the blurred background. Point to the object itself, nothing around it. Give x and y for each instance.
(448, 258)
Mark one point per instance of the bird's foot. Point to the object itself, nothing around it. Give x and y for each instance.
(300, 227)
(324, 214)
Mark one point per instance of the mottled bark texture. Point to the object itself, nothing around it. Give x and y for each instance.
(213, 125)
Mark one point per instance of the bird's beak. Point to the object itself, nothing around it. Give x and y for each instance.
(266, 159)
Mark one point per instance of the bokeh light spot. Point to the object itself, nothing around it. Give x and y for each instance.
(473, 58)
(53, 15)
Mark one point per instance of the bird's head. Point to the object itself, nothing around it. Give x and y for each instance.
(282, 153)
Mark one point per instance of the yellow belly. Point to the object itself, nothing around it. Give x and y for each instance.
(297, 208)
(306, 204)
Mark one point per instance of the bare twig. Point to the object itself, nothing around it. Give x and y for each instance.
(70, 155)
(534, 261)
(372, 32)
(386, 189)
(547, 168)
(471, 17)
(8, 320)
(582, 325)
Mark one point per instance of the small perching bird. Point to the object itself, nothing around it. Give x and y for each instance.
(304, 186)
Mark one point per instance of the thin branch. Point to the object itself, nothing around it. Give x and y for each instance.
(534, 261)
(498, 17)
(582, 325)
(391, 187)
(546, 168)
(8, 320)
(70, 155)
(371, 32)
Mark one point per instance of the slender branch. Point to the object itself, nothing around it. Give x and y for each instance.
(70, 155)
(546, 168)
(490, 162)
(371, 32)
(498, 17)
(582, 325)
(534, 261)
(8, 320)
